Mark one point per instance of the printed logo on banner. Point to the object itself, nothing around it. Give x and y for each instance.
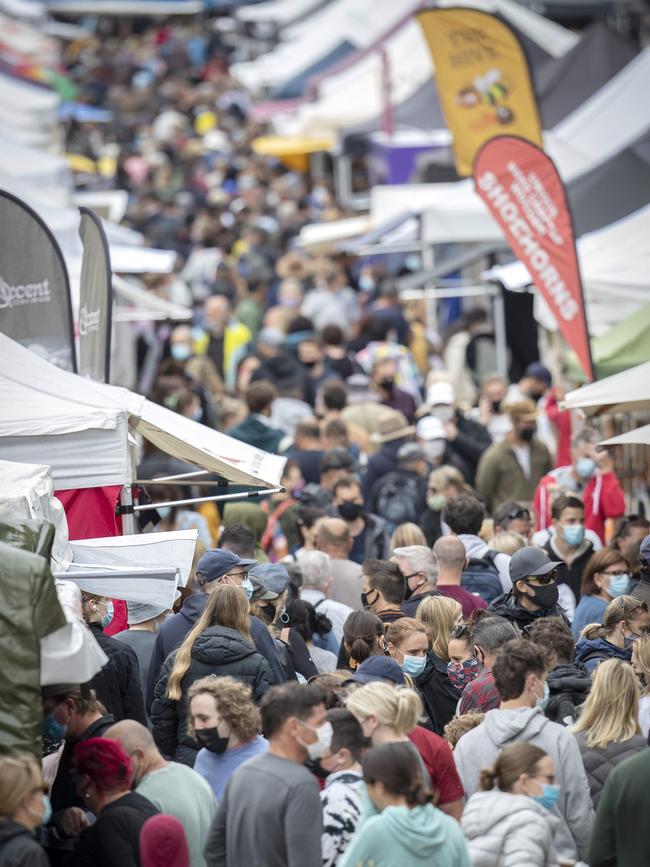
(523, 190)
(483, 81)
(89, 320)
(25, 293)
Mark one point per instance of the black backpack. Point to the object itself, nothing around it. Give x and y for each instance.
(396, 500)
(481, 577)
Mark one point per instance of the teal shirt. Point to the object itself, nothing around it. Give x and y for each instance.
(181, 792)
(417, 836)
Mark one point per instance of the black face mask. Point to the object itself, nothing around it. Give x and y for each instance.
(536, 395)
(495, 406)
(527, 433)
(269, 612)
(546, 597)
(212, 740)
(310, 365)
(365, 601)
(314, 766)
(350, 511)
(387, 384)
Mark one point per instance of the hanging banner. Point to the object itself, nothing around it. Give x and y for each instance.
(35, 306)
(525, 194)
(95, 300)
(483, 80)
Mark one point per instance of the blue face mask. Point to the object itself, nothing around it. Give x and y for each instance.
(543, 701)
(586, 467)
(573, 534)
(164, 512)
(47, 809)
(247, 587)
(53, 729)
(180, 351)
(549, 796)
(414, 665)
(618, 585)
(108, 617)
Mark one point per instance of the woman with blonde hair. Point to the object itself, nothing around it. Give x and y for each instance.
(445, 483)
(390, 714)
(608, 728)
(507, 542)
(24, 807)
(625, 618)
(219, 644)
(408, 644)
(509, 823)
(439, 615)
(641, 665)
(405, 535)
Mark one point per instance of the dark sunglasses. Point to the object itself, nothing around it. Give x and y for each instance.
(543, 580)
(521, 514)
(459, 631)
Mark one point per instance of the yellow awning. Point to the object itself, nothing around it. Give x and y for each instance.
(294, 151)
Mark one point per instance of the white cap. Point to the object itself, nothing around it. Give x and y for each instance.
(430, 428)
(441, 392)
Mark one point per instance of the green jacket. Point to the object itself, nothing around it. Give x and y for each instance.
(618, 838)
(499, 476)
(29, 610)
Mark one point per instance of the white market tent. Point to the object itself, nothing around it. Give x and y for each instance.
(409, 67)
(640, 436)
(82, 429)
(279, 12)
(628, 391)
(358, 22)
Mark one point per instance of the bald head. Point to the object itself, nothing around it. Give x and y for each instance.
(132, 735)
(333, 537)
(451, 555)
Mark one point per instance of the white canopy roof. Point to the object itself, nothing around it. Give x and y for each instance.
(628, 391)
(359, 22)
(640, 436)
(80, 428)
(280, 12)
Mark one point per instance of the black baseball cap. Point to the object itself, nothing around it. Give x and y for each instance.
(531, 561)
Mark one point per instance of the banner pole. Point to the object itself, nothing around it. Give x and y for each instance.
(126, 510)
(216, 498)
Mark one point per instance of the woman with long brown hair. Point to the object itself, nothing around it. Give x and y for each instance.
(219, 644)
(606, 577)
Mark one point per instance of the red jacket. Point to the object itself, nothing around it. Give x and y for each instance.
(603, 498)
(561, 419)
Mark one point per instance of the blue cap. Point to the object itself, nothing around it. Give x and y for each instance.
(379, 668)
(539, 371)
(273, 576)
(213, 564)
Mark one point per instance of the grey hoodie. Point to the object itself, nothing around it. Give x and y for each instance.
(480, 747)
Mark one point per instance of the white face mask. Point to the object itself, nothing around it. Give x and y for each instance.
(323, 744)
(434, 449)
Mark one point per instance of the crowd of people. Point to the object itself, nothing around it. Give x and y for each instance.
(431, 647)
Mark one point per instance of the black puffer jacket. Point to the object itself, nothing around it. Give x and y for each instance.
(438, 694)
(599, 763)
(18, 846)
(568, 687)
(507, 605)
(117, 684)
(217, 651)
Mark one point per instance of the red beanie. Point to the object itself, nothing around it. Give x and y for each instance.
(163, 843)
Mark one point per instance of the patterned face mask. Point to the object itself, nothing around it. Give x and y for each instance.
(462, 673)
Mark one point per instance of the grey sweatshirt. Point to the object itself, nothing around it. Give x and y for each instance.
(480, 747)
(270, 816)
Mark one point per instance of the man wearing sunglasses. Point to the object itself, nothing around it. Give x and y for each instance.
(513, 517)
(534, 591)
